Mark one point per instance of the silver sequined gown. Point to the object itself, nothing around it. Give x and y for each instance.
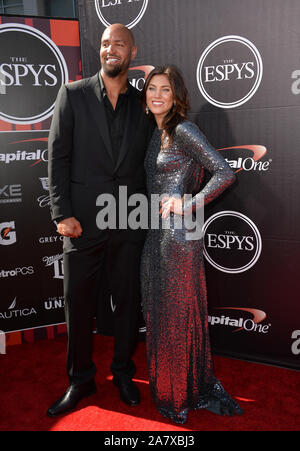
(173, 280)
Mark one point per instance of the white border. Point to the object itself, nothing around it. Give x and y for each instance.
(24, 131)
(141, 329)
(32, 328)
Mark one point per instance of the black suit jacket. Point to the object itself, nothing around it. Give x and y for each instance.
(81, 164)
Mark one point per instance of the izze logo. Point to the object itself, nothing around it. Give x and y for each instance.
(32, 69)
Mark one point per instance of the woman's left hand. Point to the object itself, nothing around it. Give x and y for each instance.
(171, 204)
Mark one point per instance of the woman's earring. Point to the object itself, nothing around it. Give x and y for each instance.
(147, 109)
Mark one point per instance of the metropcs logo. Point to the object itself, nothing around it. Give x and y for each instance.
(232, 242)
(128, 12)
(229, 71)
(24, 271)
(32, 69)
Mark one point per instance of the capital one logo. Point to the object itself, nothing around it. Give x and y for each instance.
(246, 158)
(35, 156)
(127, 12)
(32, 69)
(241, 323)
(232, 242)
(229, 71)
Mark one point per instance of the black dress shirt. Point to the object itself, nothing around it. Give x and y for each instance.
(115, 118)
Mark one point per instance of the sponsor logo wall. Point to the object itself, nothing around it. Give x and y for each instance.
(38, 55)
(241, 63)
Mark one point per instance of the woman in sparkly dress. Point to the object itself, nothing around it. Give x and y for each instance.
(172, 271)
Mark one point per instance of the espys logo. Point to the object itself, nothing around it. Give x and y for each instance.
(232, 242)
(241, 323)
(229, 71)
(138, 75)
(246, 158)
(7, 233)
(32, 69)
(128, 12)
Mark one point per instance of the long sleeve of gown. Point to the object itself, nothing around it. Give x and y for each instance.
(195, 145)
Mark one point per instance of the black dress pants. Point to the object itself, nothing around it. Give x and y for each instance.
(85, 270)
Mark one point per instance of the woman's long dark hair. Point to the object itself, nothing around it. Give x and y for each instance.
(181, 106)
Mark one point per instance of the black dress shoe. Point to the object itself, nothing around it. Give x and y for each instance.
(128, 391)
(71, 398)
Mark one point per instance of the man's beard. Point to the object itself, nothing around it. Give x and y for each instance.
(113, 71)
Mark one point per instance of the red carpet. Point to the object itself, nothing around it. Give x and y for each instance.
(33, 377)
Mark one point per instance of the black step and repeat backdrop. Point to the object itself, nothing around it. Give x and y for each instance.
(37, 56)
(241, 63)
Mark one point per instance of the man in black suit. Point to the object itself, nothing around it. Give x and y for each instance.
(97, 143)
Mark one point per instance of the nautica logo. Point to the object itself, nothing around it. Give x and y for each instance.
(13, 304)
(16, 313)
